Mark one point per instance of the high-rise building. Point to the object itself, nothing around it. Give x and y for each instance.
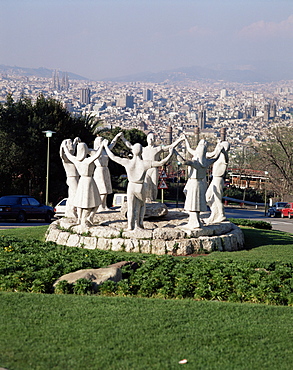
(55, 80)
(85, 96)
(223, 93)
(147, 94)
(201, 118)
(169, 135)
(125, 101)
(273, 110)
(266, 112)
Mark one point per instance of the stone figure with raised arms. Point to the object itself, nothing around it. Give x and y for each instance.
(214, 193)
(136, 169)
(151, 152)
(87, 198)
(196, 185)
(102, 174)
(72, 175)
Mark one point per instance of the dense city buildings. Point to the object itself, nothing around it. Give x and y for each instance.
(168, 108)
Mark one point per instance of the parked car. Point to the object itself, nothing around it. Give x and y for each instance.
(24, 207)
(60, 208)
(275, 210)
(287, 211)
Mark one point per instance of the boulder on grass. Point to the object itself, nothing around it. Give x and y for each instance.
(96, 276)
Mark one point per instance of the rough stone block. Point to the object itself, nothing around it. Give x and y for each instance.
(158, 246)
(117, 244)
(138, 234)
(180, 247)
(131, 245)
(104, 244)
(104, 232)
(63, 237)
(73, 240)
(96, 276)
(52, 235)
(145, 246)
(89, 242)
(168, 233)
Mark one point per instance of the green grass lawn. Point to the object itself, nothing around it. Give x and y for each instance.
(39, 331)
(34, 232)
(262, 245)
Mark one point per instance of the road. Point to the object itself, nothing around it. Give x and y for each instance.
(5, 224)
(281, 224)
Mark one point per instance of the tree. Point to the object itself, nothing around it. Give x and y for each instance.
(23, 145)
(276, 157)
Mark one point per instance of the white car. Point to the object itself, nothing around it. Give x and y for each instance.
(60, 208)
(119, 199)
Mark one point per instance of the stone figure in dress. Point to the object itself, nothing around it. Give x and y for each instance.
(72, 175)
(151, 152)
(87, 198)
(214, 193)
(136, 169)
(102, 174)
(196, 185)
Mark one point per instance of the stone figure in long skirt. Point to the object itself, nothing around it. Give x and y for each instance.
(151, 152)
(136, 169)
(196, 185)
(214, 193)
(87, 198)
(72, 175)
(102, 175)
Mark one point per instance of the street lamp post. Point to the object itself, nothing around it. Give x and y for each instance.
(49, 134)
(266, 174)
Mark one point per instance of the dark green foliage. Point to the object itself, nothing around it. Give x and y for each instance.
(63, 287)
(249, 194)
(33, 266)
(23, 145)
(83, 287)
(133, 136)
(108, 288)
(251, 223)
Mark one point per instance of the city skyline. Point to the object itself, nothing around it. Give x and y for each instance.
(111, 38)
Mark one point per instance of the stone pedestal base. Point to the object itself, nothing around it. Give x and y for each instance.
(168, 235)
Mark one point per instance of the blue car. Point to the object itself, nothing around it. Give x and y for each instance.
(24, 207)
(276, 209)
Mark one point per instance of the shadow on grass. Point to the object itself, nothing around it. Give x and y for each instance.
(255, 238)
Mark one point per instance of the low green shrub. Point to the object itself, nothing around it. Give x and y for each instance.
(83, 287)
(251, 223)
(108, 288)
(33, 266)
(63, 287)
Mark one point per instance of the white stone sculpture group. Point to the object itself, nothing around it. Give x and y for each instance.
(89, 182)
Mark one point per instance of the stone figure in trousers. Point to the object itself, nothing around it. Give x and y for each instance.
(136, 169)
(152, 152)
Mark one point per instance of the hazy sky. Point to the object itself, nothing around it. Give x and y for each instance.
(111, 38)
